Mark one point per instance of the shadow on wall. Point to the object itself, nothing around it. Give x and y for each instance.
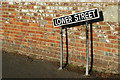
(91, 38)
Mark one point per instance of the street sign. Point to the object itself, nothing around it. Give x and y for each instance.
(87, 15)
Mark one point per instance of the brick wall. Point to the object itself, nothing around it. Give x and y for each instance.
(27, 29)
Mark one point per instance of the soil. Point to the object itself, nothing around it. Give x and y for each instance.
(19, 66)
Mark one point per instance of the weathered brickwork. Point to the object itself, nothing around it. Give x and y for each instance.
(27, 29)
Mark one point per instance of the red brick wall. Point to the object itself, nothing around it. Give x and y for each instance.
(27, 29)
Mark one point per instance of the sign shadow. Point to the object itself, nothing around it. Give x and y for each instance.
(67, 55)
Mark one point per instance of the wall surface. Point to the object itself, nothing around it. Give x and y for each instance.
(27, 29)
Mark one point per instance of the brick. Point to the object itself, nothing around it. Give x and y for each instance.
(48, 18)
(108, 32)
(34, 28)
(33, 24)
(5, 16)
(11, 6)
(4, 2)
(52, 37)
(117, 29)
(26, 24)
(39, 32)
(105, 27)
(29, 7)
(11, 10)
(112, 37)
(42, 39)
(102, 23)
(49, 30)
(12, 19)
(2, 31)
(49, 41)
(31, 31)
(3, 9)
(19, 23)
(94, 35)
(25, 17)
(58, 15)
(114, 51)
(12, 16)
(80, 49)
(101, 44)
(83, 54)
(13, 13)
(50, 22)
(58, 42)
(108, 58)
(103, 49)
(43, 7)
(4, 6)
(109, 45)
(48, 26)
(76, 33)
(32, 3)
(115, 46)
(34, 38)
